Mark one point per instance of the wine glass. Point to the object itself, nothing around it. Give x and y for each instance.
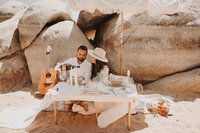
(63, 75)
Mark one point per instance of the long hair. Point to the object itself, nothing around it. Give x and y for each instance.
(96, 68)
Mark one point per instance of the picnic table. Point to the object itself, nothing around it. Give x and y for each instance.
(63, 91)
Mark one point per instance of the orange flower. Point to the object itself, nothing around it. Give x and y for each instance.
(163, 113)
(160, 106)
(160, 102)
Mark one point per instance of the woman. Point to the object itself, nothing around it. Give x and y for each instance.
(99, 60)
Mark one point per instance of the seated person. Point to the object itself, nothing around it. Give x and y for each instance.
(85, 66)
(84, 70)
(99, 60)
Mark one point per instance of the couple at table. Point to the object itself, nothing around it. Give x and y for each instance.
(87, 70)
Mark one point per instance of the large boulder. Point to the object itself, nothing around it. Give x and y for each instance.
(154, 46)
(39, 15)
(64, 37)
(9, 39)
(14, 71)
(182, 82)
(88, 21)
(10, 8)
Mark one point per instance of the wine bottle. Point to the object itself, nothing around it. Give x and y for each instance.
(66, 67)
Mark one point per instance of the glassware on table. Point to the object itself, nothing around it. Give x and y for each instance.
(92, 84)
(105, 75)
(63, 75)
(81, 80)
(73, 77)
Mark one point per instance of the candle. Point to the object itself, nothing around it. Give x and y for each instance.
(128, 73)
(70, 73)
(76, 76)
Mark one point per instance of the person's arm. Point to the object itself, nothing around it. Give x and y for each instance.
(57, 67)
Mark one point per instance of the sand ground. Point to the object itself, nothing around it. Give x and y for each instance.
(186, 118)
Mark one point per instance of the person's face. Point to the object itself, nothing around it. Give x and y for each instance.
(81, 55)
(93, 60)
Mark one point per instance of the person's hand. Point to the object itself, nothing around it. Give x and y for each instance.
(63, 66)
(93, 60)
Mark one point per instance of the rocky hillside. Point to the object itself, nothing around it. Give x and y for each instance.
(161, 51)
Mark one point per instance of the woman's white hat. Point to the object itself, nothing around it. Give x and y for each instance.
(99, 54)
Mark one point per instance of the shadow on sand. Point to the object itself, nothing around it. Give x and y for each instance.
(69, 122)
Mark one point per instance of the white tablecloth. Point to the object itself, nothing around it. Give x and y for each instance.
(63, 91)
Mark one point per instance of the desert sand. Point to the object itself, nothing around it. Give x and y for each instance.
(185, 119)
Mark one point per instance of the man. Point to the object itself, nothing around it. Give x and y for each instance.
(85, 66)
(84, 70)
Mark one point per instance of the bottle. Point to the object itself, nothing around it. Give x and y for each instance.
(66, 67)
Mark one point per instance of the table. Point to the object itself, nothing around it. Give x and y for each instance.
(64, 92)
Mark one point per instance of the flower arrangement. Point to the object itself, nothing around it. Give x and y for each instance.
(161, 108)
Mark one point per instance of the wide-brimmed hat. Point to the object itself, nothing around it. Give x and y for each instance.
(99, 54)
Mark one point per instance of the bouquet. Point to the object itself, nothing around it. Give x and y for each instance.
(161, 108)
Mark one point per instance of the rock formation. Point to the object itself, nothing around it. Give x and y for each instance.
(64, 37)
(14, 71)
(10, 8)
(39, 15)
(154, 46)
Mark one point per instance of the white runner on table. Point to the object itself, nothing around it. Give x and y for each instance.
(64, 91)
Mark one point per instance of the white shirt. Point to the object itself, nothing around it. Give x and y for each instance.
(84, 70)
